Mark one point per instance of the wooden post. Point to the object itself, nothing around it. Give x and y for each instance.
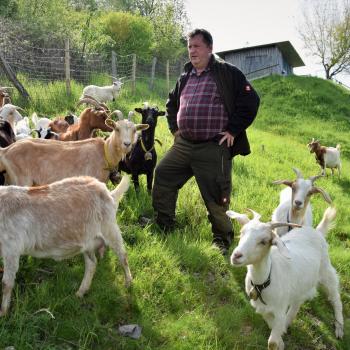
(167, 75)
(133, 73)
(181, 66)
(12, 77)
(67, 66)
(114, 65)
(154, 61)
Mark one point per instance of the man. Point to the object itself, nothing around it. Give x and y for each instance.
(208, 111)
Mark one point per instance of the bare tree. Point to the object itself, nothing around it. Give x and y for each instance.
(325, 31)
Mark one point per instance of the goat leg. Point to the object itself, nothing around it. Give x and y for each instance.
(90, 267)
(11, 264)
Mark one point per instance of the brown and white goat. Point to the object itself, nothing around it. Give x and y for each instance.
(60, 220)
(326, 157)
(4, 96)
(90, 119)
(34, 162)
(295, 203)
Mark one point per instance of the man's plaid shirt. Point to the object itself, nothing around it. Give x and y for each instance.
(202, 114)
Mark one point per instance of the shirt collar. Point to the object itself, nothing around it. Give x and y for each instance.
(194, 71)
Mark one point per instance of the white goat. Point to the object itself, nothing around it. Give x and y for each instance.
(59, 221)
(41, 125)
(295, 203)
(10, 113)
(282, 273)
(23, 130)
(103, 93)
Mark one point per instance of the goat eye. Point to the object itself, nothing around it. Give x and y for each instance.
(263, 242)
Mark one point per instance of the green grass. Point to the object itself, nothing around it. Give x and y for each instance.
(185, 295)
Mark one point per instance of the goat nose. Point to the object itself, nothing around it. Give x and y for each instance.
(298, 203)
(237, 255)
(127, 144)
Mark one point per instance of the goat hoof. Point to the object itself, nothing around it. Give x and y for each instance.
(128, 282)
(80, 293)
(2, 313)
(339, 331)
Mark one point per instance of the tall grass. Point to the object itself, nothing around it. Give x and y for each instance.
(185, 294)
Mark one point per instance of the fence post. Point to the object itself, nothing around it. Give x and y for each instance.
(181, 66)
(114, 65)
(67, 66)
(167, 76)
(133, 72)
(153, 71)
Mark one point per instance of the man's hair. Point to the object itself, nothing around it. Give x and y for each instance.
(207, 38)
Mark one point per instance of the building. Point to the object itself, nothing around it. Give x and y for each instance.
(263, 60)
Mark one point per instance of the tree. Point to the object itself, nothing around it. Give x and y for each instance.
(128, 33)
(46, 22)
(169, 21)
(8, 8)
(325, 32)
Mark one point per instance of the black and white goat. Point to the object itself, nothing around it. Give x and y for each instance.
(143, 157)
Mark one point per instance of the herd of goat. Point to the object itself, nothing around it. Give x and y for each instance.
(48, 175)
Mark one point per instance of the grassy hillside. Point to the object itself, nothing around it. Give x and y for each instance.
(185, 295)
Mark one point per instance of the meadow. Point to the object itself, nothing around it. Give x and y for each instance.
(186, 295)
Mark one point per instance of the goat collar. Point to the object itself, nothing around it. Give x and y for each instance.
(288, 221)
(260, 287)
(109, 165)
(144, 148)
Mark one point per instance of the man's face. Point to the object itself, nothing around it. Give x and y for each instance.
(199, 52)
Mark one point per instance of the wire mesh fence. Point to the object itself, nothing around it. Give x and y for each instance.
(43, 64)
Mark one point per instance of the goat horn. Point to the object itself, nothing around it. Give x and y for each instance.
(281, 224)
(131, 113)
(93, 98)
(118, 113)
(314, 178)
(19, 108)
(256, 216)
(88, 101)
(298, 173)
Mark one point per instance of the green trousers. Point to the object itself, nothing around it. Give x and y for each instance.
(211, 165)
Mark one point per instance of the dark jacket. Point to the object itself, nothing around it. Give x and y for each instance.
(240, 100)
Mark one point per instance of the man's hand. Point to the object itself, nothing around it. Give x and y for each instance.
(176, 133)
(227, 137)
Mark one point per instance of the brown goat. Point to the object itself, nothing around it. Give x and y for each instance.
(33, 162)
(89, 120)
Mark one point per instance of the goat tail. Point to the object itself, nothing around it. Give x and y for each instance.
(122, 187)
(327, 221)
(338, 147)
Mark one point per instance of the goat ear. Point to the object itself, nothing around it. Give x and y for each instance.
(276, 240)
(283, 182)
(325, 195)
(241, 218)
(138, 110)
(142, 127)
(111, 123)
